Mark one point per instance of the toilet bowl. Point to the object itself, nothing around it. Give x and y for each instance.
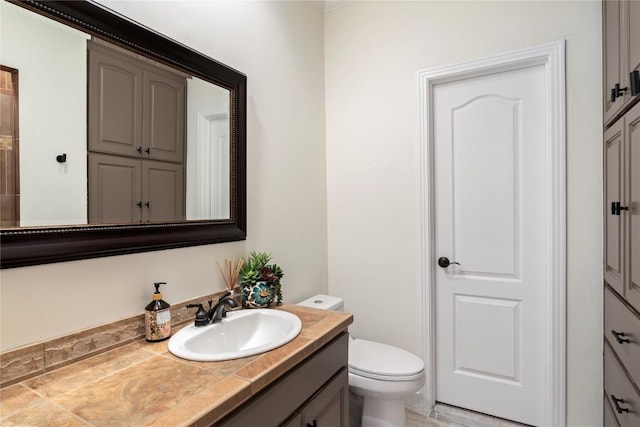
(383, 375)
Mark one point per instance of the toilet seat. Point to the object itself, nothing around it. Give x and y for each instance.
(383, 362)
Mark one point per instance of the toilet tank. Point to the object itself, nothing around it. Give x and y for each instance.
(324, 302)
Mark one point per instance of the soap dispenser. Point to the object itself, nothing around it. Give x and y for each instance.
(157, 317)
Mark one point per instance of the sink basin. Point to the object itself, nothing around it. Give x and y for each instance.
(242, 333)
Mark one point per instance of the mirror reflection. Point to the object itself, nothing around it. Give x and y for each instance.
(93, 134)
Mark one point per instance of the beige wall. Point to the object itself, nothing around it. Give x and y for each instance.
(278, 45)
(373, 51)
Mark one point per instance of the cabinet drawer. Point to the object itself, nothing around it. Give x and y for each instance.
(619, 318)
(617, 384)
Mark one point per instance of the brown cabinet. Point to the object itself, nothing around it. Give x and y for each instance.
(136, 109)
(126, 190)
(621, 153)
(622, 206)
(621, 56)
(136, 139)
(329, 406)
(314, 394)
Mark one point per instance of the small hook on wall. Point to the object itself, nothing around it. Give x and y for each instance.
(61, 158)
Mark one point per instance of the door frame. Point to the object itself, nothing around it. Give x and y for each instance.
(552, 57)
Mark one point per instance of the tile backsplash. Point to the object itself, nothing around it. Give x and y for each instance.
(35, 359)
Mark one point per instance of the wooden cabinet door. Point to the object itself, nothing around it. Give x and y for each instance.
(162, 191)
(631, 44)
(613, 225)
(330, 407)
(164, 116)
(632, 202)
(115, 103)
(612, 53)
(114, 189)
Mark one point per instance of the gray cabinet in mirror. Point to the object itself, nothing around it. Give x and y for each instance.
(183, 110)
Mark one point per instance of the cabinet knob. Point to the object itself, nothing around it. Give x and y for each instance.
(315, 424)
(148, 204)
(139, 149)
(139, 204)
(148, 151)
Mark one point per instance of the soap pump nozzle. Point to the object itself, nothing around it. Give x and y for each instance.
(157, 294)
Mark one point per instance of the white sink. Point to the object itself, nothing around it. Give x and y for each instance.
(242, 333)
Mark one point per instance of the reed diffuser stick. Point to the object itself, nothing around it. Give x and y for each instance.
(223, 275)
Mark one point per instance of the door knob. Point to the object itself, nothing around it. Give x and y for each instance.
(444, 262)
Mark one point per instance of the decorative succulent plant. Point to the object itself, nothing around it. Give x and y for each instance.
(257, 269)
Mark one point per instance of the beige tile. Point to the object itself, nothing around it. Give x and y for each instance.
(17, 398)
(22, 363)
(198, 410)
(43, 414)
(222, 368)
(269, 366)
(86, 371)
(139, 395)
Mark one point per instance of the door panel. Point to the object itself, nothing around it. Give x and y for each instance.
(632, 134)
(632, 25)
(475, 318)
(163, 189)
(490, 217)
(612, 52)
(115, 103)
(489, 248)
(114, 188)
(164, 116)
(613, 140)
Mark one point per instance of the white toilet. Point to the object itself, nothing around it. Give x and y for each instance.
(383, 375)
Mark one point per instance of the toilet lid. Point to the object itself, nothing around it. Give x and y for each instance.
(381, 361)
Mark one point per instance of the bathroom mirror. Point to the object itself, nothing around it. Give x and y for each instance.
(219, 112)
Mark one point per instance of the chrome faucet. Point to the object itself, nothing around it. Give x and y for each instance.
(215, 313)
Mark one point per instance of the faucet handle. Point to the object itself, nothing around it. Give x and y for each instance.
(202, 317)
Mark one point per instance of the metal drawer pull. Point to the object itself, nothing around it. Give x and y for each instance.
(616, 403)
(618, 335)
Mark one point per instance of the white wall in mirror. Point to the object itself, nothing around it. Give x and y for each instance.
(208, 183)
(51, 60)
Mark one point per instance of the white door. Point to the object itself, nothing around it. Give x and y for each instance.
(490, 217)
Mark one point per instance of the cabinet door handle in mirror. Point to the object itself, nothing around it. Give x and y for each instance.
(315, 424)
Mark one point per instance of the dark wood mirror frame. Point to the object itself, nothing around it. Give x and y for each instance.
(43, 245)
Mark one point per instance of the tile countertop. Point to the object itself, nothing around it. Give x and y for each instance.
(141, 383)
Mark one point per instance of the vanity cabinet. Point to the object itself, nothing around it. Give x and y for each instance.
(137, 108)
(621, 56)
(315, 394)
(126, 190)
